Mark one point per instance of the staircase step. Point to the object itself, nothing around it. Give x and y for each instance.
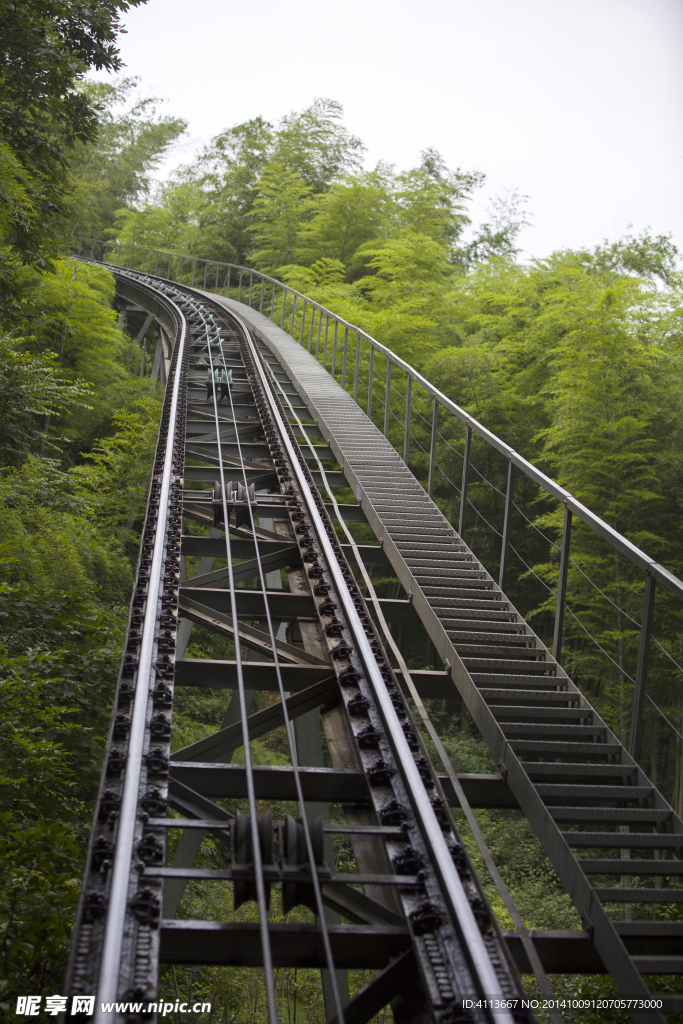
(543, 769)
(625, 840)
(594, 792)
(547, 683)
(452, 587)
(542, 696)
(523, 714)
(517, 643)
(524, 653)
(631, 866)
(504, 624)
(483, 591)
(408, 539)
(472, 608)
(619, 815)
(506, 667)
(540, 730)
(549, 748)
(659, 964)
(635, 930)
(445, 572)
(639, 895)
(455, 558)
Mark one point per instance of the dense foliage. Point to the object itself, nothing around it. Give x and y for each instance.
(78, 433)
(47, 46)
(575, 360)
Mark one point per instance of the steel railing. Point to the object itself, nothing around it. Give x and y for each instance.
(226, 276)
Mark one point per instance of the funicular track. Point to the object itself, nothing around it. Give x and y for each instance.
(420, 919)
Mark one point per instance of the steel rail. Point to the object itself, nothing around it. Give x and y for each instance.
(108, 981)
(452, 888)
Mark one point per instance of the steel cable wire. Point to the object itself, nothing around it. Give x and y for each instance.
(288, 727)
(667, 720)
(264, 931)
(533, 525)
(596, 587)
(573, 614)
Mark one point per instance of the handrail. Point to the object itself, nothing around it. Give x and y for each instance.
(655, 572)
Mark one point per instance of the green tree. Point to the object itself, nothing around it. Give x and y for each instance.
(356, 209)
(113, 172)
(280, 207)
(31, 391)
(316, 144)
(48, 45)
(79, 332)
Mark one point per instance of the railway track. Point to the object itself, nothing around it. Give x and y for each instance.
(422, 917)
(242, 483)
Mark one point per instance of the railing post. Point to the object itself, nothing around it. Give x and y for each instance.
(251, 276)
(180, 272)
(206, 270)
(260, 305)
(303, 321)
(217, 268)
(465, 469)
(346, 345)
(506, 526)
(334, 350)
(168, 272)
(327, 329)
(132, 250)
(432, 447)
(320, 327)
(406, 433)
(284, 304)
(239, 286)
(291, 326)
(144, 259)
(227, 283)
(356, 374)
(310, 332)
(387, 399)
(641, 670)
(156, 264)
(562, 586)
(371, 371)
(194, 270)
(272, 304)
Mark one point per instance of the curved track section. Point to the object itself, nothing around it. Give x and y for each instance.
(229, 462)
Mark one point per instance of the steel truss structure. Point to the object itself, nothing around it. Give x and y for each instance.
(240, 395)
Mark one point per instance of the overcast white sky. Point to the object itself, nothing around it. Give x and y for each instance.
(577, 103)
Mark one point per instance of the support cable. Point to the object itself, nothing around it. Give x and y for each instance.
(264, 932)
(290, 739)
